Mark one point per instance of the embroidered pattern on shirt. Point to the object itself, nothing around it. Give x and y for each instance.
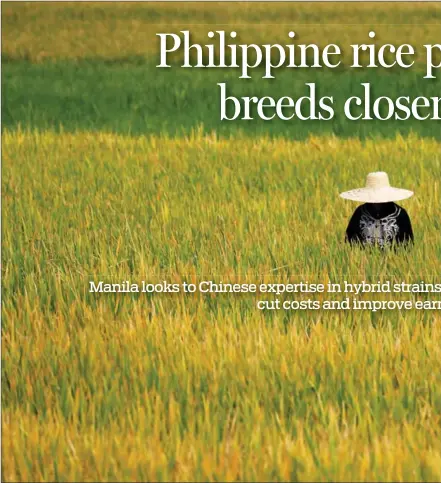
(380, 231)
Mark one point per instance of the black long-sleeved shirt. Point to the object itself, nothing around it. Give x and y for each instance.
(380, 224)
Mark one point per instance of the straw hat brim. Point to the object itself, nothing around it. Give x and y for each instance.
(377, 195)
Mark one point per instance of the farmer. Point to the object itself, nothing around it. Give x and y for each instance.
(379, 221)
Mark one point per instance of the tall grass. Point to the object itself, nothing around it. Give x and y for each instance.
(140, 99)
(180, 387)
(92, 66)
(207, 387)
(97, 30)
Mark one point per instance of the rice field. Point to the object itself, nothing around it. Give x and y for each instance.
(202, 387)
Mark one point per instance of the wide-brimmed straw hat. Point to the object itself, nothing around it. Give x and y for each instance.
(377, 190)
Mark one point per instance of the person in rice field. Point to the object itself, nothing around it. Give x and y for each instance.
(379, 221)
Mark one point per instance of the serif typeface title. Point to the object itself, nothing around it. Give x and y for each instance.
(250, 60)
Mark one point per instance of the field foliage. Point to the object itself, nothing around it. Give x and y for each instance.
(207, 387)
(113, 172)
